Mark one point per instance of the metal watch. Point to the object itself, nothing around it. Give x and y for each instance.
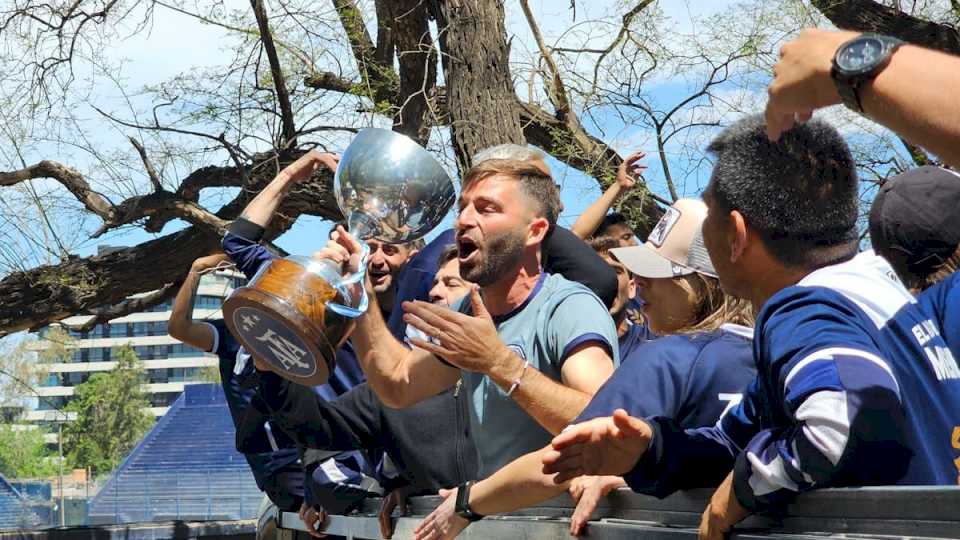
(857, 62)
(462, 507)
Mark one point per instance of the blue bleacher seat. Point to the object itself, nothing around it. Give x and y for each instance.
(186, 467)
(15, 509)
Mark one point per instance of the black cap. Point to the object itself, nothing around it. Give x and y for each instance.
(915, 219)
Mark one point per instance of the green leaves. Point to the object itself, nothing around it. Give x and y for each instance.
(110, 416)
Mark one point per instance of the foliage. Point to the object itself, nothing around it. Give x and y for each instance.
(23, 453)
(110, 416)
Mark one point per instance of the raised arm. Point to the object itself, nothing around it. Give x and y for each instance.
(261, 209)
(182, 326)
(591, 218)
(911, 95)
(400, 376)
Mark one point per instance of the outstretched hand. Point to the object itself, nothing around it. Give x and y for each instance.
(443, 523)
(609, 445)
(468, 342)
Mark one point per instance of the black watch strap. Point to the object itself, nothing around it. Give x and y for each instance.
(848, 86)
(462, 507)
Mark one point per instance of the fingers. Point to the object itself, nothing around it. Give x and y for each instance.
(575, 434)
(347, 240)
(476, 302)
(634, 157)
(628, 425)
(434, 349)
(566, 465)
(440, 318)
(585, 507)
(383, 517)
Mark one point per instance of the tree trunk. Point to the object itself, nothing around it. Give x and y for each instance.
(482, 103)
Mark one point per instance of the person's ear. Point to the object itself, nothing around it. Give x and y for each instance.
(537, 231)
(738, 237)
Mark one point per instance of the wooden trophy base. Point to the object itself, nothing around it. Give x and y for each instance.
(281, 318)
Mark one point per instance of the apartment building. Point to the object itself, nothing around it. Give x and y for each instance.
(169, 364)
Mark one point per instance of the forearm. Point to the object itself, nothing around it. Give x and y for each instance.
(261, 209)
(399, 376)
(181, 313)
(181, 325)
(553, 405)
(909, 97)
(591, 218)
(519, 484)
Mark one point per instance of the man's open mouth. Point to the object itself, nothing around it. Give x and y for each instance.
(466, 249)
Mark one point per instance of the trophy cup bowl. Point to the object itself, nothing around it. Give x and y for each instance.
(297, 311)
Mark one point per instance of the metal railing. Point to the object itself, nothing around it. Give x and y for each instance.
(915, 512)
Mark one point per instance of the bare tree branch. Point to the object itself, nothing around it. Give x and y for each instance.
(283, 96)
(69, 178)
(128, 306)
(151, 172)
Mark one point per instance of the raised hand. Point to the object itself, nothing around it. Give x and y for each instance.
(629, 170)
(468, 342)
(305, 165)
(801, 79)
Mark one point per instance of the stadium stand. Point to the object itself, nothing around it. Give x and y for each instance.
(15, 509)
(186, 468)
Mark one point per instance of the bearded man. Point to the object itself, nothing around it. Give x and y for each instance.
(532, 347)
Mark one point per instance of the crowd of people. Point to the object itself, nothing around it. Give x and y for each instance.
(749, 344)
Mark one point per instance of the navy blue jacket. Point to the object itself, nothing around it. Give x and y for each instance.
(855, 386)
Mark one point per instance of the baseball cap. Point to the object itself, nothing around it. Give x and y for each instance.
(914, 222)
(674, 247)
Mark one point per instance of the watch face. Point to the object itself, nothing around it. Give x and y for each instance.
(860, 55)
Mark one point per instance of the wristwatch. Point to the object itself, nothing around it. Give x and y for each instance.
(462, 507)
(857, 62)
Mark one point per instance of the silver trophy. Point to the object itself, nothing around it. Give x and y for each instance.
(297, 311)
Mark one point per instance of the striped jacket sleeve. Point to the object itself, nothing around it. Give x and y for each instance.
(834, 401)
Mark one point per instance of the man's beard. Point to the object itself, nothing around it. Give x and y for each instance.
(500, 254)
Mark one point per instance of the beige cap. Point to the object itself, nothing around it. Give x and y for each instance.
(674, 247)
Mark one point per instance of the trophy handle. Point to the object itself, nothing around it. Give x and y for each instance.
(342, 283)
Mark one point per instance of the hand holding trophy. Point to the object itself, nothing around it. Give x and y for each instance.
(297, 311)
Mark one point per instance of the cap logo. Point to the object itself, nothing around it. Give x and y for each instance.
(664, 226)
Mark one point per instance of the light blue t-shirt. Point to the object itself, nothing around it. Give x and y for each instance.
(558, 316)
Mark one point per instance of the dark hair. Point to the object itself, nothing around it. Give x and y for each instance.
(603, 244)
(609, 220)
(538, 187)
(920, 283)
(799, 193)
(448, 254)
